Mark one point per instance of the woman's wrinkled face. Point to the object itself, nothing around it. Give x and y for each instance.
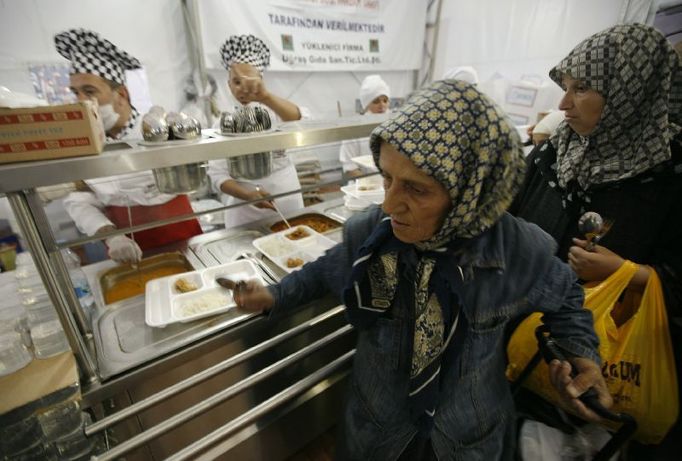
(582, 105)
(416, 203)
(379, 105)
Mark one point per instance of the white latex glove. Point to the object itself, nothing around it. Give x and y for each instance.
(123, 250)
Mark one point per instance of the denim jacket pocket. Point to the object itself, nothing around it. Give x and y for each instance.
(383, 341)
(487, 448)
(481, 342)
(379, 382)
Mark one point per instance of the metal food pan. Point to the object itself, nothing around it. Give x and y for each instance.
(155, 266)
(316, 221)
(224, 246)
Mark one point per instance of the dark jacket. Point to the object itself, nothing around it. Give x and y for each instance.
(507, 272)
(647, 225)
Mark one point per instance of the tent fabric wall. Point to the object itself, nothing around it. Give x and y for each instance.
(154, 32)
(516, 47)
(523, 36)
(150, 30)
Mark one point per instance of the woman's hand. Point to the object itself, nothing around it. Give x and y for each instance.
(597, 264)
(589, 375)
(251, 296)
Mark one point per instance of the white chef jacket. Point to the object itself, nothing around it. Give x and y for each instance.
(86, 208)
(283, 178)
(350, 149)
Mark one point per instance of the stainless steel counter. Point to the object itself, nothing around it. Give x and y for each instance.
(122, 338)
(249, 367)
(214, 375)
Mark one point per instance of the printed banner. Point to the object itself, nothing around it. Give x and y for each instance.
(321, 35)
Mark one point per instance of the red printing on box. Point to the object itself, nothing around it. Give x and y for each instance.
(39, 117)
(33, 146)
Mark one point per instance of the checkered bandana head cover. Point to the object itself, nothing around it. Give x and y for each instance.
(458, 136)
(636, 70)
(247, 49)
(91, 54)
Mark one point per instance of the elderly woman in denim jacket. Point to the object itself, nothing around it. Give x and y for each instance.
(430, 282)
(618, 153)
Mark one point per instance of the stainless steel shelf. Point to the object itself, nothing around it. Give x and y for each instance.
(28, 175)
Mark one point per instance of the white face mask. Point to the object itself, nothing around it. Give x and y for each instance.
(108, 115)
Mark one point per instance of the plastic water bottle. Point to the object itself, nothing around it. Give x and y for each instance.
(80, 283)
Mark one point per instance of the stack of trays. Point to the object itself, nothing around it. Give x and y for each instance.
(290, 249)
(363, 192)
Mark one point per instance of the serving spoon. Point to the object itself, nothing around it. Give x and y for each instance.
(229, 284)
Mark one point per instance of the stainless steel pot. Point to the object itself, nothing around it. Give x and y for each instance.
(251, 166)
(181, 179)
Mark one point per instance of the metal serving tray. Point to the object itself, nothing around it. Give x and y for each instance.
(123, 339)
(173, 263)
(316, 221)
(340, 212)
(224, 246)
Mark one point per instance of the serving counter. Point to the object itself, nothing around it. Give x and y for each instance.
(232, 386)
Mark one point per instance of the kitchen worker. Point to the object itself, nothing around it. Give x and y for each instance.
(104, 204)
(246, 57)
(375, 97)
(464, 73)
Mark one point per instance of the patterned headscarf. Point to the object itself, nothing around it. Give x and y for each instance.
(637, 71)
(247, 49)
(89, 53)
(457, 135)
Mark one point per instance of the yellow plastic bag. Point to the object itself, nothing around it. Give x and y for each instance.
(637, 357)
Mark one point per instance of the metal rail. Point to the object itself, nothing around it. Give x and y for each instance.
(225, 365)
(187, 216)
(252, 415)
(26, 175)
(219, 397)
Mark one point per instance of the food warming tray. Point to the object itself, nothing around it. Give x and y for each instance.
(317, 221)
(165, 304)
(279, 248)
(118, 281)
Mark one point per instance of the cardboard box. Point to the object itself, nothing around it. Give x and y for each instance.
(42, 133)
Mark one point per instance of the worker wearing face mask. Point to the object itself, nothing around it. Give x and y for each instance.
(101, 205)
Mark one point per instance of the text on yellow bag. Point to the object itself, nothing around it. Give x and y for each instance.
(637, 357)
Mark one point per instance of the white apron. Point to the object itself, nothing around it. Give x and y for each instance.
(282, 180)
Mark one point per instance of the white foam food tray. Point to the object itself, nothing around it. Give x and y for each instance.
(279, 248)
(369, 196)
(164, 304)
